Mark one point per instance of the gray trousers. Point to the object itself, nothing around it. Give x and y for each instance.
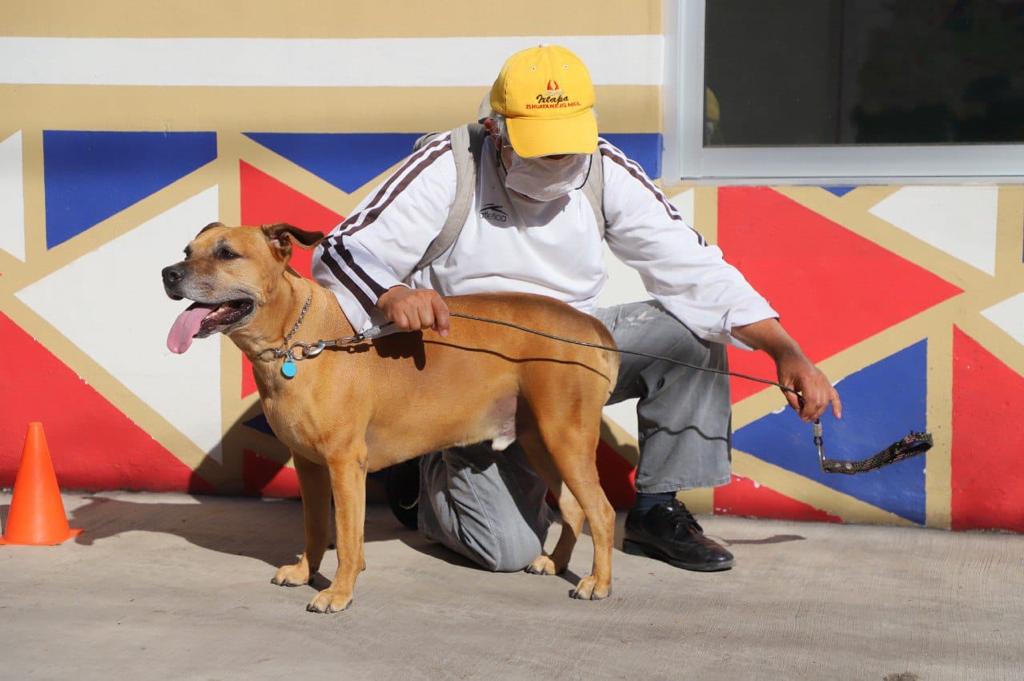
(489, 506)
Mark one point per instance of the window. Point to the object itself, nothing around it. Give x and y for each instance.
(847, 88)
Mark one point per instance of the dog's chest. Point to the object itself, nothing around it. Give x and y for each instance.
(292, 423)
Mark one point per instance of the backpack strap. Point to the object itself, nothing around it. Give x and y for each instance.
(467, 142)
(593, 189)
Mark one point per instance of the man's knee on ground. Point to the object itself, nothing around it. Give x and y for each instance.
(505, 555)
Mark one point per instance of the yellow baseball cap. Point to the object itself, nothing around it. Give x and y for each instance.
(547, 98)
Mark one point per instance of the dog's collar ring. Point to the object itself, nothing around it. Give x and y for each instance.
(288, 368)
(300, 351)
(296, 353)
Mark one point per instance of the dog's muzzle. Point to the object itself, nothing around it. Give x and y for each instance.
(173, 276)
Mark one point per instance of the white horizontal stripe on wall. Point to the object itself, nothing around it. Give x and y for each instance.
(289, 62)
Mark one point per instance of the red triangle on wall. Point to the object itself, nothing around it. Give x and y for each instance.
(263, 477)
(617, 476)
(987, 479)
(94, 445)
(745, 497)
(266, 200)
(831, 287)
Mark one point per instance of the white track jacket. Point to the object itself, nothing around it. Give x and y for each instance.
(511, 243)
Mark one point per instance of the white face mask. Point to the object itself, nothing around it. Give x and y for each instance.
(546, 179)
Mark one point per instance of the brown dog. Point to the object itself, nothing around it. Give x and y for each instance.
(361, 408)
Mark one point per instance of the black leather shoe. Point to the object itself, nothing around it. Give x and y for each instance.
(403, 489)
(669, 532)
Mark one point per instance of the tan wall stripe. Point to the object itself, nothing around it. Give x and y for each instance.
(938, 471)
(326, 18)
(621, 108)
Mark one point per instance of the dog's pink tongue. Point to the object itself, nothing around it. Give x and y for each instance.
(186, 326)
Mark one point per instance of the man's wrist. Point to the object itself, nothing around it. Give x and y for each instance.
(382, 300)
(769, 336)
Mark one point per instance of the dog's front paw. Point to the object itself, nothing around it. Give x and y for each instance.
(589, 590)
(330, 600)
(543, 565)
(292, 575)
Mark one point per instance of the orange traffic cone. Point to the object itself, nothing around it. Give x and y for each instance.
(37, 511)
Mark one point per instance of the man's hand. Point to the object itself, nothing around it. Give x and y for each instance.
(794, 369)
(797, 372)
(415, 309)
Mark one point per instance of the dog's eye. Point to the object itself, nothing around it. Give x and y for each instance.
(226, 254)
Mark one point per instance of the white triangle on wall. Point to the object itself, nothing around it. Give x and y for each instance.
(12, 197)
(111, 304)
(1008, 316)
(960, 221)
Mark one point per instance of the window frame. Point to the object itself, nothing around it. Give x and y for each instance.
(686, 158)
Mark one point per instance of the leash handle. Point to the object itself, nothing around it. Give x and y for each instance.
(910, 445)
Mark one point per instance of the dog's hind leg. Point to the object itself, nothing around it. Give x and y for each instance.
(570, 433)
(315, 484)
(556, 562)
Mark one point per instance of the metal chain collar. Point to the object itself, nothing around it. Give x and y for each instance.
(296, 352)
(284, 350)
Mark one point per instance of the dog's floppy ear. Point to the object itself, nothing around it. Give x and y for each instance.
(280, 237)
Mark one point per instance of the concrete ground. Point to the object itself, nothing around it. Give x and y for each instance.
(164, 586)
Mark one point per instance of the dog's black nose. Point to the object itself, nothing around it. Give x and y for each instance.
(172, 275)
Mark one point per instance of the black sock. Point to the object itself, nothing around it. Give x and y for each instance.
(644, 502)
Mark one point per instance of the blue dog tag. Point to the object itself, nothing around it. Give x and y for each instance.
(288, 369)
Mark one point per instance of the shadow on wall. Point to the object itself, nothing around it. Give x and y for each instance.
(256, 464)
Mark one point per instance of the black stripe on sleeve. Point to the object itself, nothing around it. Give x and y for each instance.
(377, 289)
(352, 220)
(374, 213)
(347, 282)
(336, 244)
(634, 170)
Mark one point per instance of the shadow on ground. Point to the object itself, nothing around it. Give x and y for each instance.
(268, 530)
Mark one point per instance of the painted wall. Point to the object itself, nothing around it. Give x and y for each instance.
(121, 134)
(911, 299)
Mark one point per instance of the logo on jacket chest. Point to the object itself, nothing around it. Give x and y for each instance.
(494, 212)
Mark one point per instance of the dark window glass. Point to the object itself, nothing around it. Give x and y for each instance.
(820, 72)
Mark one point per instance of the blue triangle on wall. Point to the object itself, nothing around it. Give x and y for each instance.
(90, 176)
(839, 190)
(346, 160)
(642, 147)
(881, 404)
(260, 423)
